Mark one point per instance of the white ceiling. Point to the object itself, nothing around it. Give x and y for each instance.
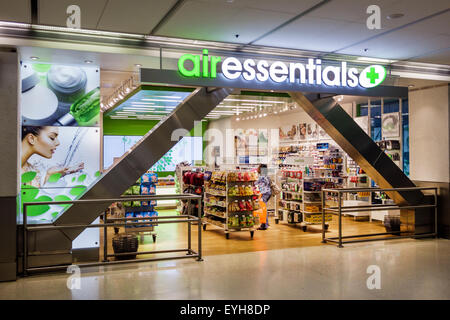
(338, 26)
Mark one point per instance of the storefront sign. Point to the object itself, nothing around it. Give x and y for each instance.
(312, 73)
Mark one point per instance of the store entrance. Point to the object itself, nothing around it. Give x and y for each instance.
(249, 128)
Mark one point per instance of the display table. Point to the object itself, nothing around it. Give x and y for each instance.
(352, 203)
(379, 215)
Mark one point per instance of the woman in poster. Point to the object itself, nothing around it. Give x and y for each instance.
(43, 141)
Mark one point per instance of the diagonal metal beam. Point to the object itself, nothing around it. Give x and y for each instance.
(142, 156)
(167, 16)
(359, 146)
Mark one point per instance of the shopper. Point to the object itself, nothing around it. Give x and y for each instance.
(264, 185)
(116, 210)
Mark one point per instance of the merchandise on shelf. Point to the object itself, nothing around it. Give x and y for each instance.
(231, 200)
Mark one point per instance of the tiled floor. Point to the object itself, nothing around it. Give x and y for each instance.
(410, 269)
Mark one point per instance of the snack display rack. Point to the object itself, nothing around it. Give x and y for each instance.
(302, 175)
(230, 201)
(146, 185)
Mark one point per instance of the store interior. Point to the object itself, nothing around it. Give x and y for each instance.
(219, 160)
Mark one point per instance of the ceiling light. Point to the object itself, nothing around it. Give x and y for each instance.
(411, 86)
(237, 119)
(161, 100)
(369, 59)
(88, 61)
(138, 65)
(395, 16)
(34, 58)
(257, 101)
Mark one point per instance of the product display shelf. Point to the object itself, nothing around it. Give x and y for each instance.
(141, 209)
(229, 202)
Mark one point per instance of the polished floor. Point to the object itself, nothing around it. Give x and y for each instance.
(409, 269)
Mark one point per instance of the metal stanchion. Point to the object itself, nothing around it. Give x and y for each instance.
(323, 216)
(435, 214)
(25, 242)
(189, 229)
(105, 239)
(340, 219)
(199, 231)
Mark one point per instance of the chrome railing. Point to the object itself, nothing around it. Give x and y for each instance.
(339, 210)
(189, 219)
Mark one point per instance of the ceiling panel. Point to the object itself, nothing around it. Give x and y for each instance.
(221, 22)
(134, 16)
(415, 40)
(53, 13)
(16, 11)
(438, 57)
(318, 34)
(286, 6)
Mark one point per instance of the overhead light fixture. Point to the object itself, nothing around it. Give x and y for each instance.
(161, 100)
(369, 59)
(138, 65)
(88, 61)
(255, 101)
(411, 86)
(395, 16)
(34, 58)
(168, 97)
(237, 119)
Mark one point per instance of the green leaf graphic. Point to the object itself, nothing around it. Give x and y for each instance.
(29, 193)
(97, 174)
(77, 190)
(28, 176)
(54, 177)
(33, 211)
(82, 178)
(62, 197)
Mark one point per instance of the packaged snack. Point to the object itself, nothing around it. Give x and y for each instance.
(145, 190)
(128, 192)
(129, 215)
(145, 179)
(136, 190)
(136, 204)
(138, 215)
(127, 203)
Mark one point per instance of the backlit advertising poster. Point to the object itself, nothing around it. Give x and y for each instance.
(58, 95)
(60, 146)
(58, 164)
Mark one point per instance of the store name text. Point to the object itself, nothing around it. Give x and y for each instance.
(312, 73)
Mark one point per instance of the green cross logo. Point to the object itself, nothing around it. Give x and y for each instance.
(372, 75)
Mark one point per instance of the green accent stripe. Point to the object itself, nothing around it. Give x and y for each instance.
(267, 94)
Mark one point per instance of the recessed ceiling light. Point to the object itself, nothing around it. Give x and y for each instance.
(138, 65)
(88, 61)
(395, 16)
(411, 86)
(34, 58)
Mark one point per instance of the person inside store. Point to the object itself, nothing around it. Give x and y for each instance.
(264, 185)
(116, 211)
(43, 141)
